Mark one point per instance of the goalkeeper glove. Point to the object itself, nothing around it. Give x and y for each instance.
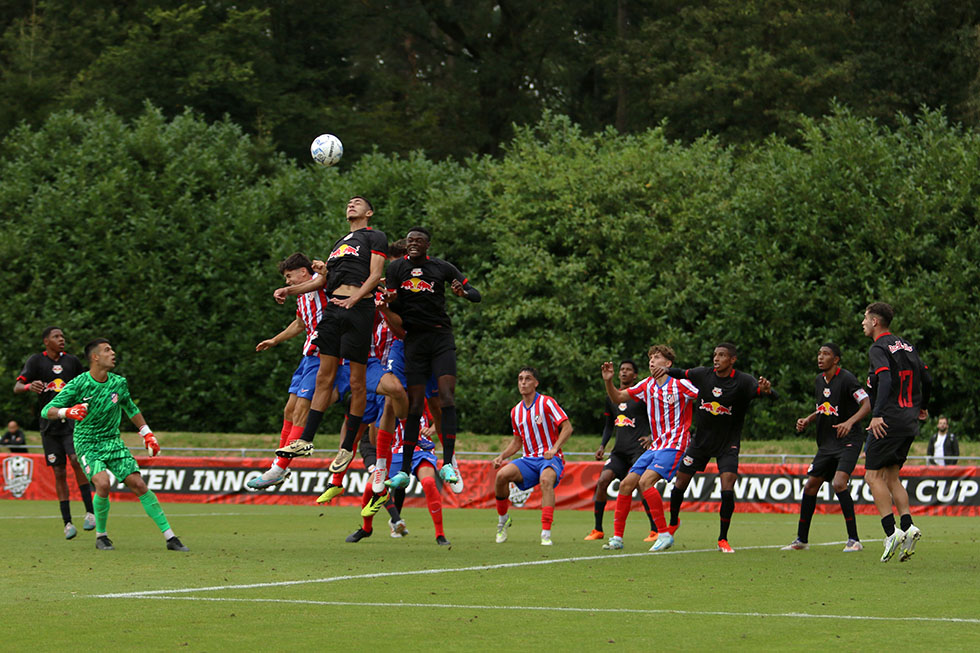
(152, 446)
(76, 412)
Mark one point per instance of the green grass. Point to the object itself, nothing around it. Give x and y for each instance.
(601, 599)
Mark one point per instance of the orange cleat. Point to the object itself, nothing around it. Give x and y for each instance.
(725, 547)
(652, 537)
(595, 535)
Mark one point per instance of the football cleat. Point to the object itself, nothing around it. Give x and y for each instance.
(174, 544)
(666, 541)
(652, 537)
(853, 545)
(103, 543)
(892, 543)
(340, 463)
(398, 528)
(457, 485)
(70, 531)
(545, 540)
(358, 535)
(332, 492)
(295, 449)
(725, 547)
(89, 523)
(594, 534)
(502, 530)
(378, 477)
(448, 474)
(272, 477)
(398, 482)
(614, 544)
(375, 504)
(796, 545)
(442, 541)
(912, 536)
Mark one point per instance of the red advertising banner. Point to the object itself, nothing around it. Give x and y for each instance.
(760, 488)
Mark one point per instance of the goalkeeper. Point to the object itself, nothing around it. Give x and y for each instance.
(95, 399)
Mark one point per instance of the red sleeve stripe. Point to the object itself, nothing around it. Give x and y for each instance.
(381, 254)
(22, 379)
(884, 367)
(465, 281)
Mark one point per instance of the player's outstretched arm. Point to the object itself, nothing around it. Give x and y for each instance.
(281, 294)
(616, 395)
(294, 329)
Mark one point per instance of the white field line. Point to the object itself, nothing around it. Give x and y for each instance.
(143, 515)
(424, 572)
(546, 608)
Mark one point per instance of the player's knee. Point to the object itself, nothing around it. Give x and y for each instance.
(839, 484)
(60, 472)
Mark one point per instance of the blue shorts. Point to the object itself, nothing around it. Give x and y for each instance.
(418, 458)
(663, 461)
(342, 380)
(373, 408)
(396, 365)
(304, 378)
(372, 377)
(531, 469)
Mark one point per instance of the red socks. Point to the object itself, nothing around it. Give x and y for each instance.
(652, 495)
(434, 502)
(287, 427)
(294, 432)
(623, 502)
(502, 506)
(384, 447)
(365, 498)
(547, 517)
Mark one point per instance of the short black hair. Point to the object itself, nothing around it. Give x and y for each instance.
(884, 312)
(366, 201)
(423, 230)
(832, 347)
(47, 331)
(528, 368)
(631, 363)
(295, 262)
(398, 248)
(90, 347)
(729, 346)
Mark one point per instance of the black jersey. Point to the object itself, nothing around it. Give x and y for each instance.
(349, 262)
(721, 405)
(421, 287)
(909, 388)
(836, 401)
(628, 421)
(54, 373)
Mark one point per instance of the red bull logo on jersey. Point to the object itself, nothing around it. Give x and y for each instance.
(899, 345)
(55, 386)
(623, 420)
(715, 408)
(827, 409)
(345, 250)
(417, 285)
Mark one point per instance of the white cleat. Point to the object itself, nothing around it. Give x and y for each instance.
(912, 536)
(398, 528)
(70, 531)
(274, 476)
(796, 545)
(295, 449)
(893, 543)
(853, 545)
(89, 523)
(502, 530)
(457, 485)
(378, 477)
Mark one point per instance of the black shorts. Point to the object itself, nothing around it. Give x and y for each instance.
(827, 463)
(696, 459)
(346, 332)
(58, 442)
(887, 452)
(620, 463)
(429, 353)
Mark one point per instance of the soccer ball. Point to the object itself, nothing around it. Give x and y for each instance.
(327, 149)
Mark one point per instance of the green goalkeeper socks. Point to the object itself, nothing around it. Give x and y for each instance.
(153, 509)
(101, 506)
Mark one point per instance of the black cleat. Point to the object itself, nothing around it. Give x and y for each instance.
(442, 541)
(174, 544)
(103, 543)
(358, 535)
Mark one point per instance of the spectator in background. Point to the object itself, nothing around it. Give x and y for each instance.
(14, 436)
(944, 448)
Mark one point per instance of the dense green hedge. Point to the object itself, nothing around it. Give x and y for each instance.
(164, 236)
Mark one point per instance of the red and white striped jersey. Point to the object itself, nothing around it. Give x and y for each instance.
(309, 309)
(398, 437)
(381, 339)
(669, 409)
(537, 425)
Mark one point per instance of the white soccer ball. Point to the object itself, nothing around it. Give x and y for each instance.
(327, 149)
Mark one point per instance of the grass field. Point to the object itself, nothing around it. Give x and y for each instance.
(272, 577)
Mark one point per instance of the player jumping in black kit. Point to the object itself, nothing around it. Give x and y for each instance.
(841, 404)
(419, 283)
(354, 268)
(723, 400)
(900, 385)
(628, 421)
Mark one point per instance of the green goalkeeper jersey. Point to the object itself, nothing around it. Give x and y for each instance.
(105, 400)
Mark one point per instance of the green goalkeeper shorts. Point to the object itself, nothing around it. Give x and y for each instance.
(112, 456)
